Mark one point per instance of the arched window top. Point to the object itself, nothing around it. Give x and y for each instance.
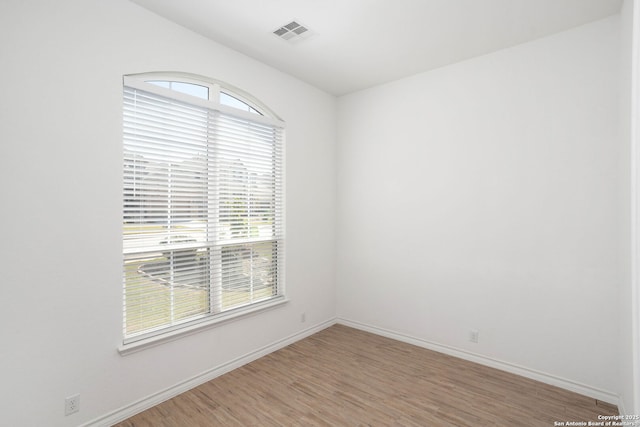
(207, 89)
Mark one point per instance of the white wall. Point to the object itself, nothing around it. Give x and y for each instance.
(60, 171)
(485, 195)
(629, 304)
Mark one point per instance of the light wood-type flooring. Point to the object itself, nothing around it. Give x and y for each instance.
(346, 377)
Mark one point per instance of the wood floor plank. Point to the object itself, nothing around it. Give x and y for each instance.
(345, 377)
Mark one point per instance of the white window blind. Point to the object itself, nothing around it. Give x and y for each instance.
(203, 230)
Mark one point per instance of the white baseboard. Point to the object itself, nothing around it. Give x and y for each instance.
(623, 412)
(159, 397)
(566, 384)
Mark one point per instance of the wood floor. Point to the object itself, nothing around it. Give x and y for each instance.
(345, 377)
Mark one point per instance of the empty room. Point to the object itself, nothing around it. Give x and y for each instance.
(331, 213)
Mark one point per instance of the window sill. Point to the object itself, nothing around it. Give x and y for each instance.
(145, 343)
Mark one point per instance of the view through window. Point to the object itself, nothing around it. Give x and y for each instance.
(203, 231)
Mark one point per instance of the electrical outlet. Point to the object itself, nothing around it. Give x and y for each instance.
(72, 404)
(474, 335)
(303, 317)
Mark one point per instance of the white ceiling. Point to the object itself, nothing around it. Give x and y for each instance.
(362, 43)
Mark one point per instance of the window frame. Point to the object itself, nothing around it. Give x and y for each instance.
(261, 115)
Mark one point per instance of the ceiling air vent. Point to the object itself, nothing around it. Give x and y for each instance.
(292, 32)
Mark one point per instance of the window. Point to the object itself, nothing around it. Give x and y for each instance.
(203, 232)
